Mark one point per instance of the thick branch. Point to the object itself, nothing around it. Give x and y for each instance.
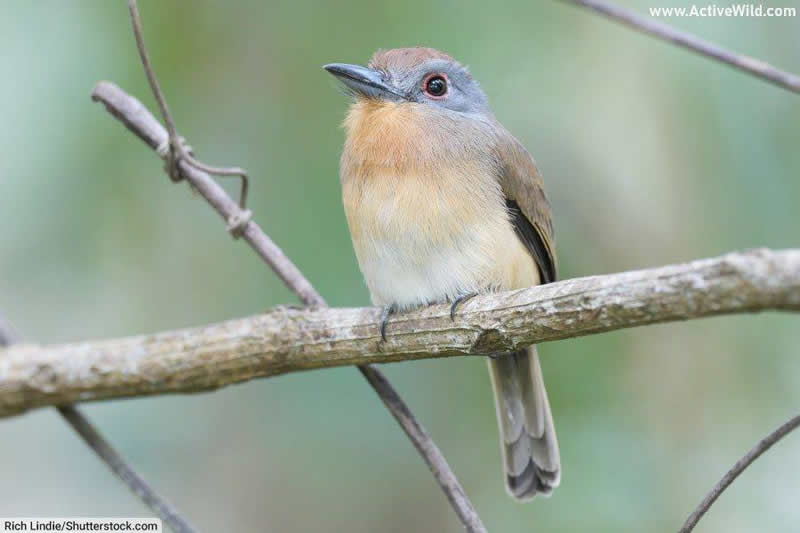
(287, 340)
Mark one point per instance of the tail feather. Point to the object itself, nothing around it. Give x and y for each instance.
(527, 435)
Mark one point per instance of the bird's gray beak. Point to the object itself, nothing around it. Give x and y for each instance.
(363, 81)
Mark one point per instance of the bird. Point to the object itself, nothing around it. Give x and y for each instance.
(443, 203)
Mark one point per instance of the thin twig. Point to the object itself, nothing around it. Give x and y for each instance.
(148, 70)
(128, 475)
(764, 445)
(177, 149)
(92, 437)
(748, 64)
(295, 280)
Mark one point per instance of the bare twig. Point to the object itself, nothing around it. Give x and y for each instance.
(239, 224)
(177, 150)
(287, 340)
(665, 32)
(92, 437)
(141, 122)
(148, 70)
(764, 445)
(128, 475)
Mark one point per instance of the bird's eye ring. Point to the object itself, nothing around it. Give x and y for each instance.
(435, 85)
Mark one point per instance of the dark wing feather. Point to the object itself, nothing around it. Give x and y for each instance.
(532, 240)
(528, 205)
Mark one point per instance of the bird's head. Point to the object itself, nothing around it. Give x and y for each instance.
(413, 75)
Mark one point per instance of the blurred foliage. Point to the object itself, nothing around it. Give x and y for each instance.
(651, 155)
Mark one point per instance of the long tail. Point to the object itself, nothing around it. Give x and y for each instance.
(527, 435)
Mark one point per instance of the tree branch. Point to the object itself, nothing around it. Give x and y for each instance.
(288, 340)
(750, 65)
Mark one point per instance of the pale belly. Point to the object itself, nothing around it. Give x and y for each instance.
(411, 271)
(416, 249)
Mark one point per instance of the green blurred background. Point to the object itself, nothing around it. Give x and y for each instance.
(651, 155)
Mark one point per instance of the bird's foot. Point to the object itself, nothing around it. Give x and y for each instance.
(458, 301)
(387, 312)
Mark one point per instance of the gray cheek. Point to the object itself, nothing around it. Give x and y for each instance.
(456, 102)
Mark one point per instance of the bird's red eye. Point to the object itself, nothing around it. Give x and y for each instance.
(435, 85)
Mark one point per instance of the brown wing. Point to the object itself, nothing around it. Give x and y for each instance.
(528, 205)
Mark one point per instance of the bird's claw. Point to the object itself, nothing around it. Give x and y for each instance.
(458, 301)
(387, 312)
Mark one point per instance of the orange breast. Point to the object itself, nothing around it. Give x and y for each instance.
(427, 216)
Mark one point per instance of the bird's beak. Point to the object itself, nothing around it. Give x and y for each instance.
(363, 81)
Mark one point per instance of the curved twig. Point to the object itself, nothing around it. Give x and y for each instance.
(729, 477)
(747, 64)
(177, 150)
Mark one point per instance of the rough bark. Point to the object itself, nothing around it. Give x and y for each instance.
(289, 339)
